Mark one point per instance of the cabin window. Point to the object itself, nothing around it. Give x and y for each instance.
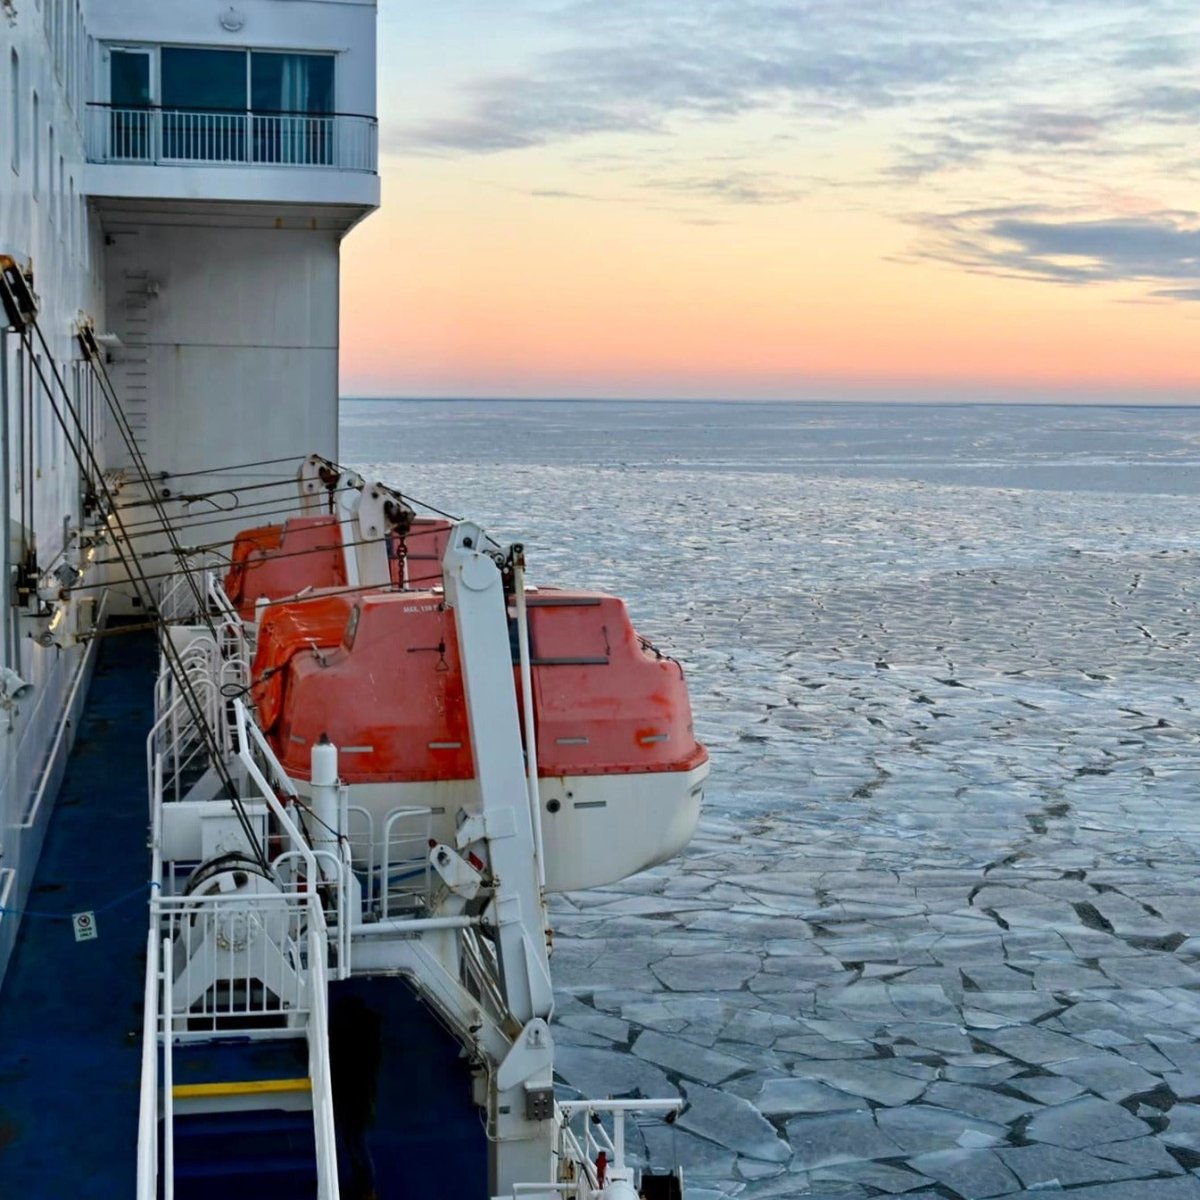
(16, 441)
(291, 83)
(37, 147)
(287, 91)
(206, 80)
(203, 97)
(129, 88)
(15, 108)
(50, 176)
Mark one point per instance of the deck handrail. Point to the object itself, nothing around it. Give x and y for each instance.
(147, 135)
(319, 1068)
(156, 749)
(248, 734)
(168, 1083)
(418, 864)
(147, 1158)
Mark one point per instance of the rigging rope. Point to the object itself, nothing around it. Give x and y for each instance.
(188, 521)
(157, 500)
(108, 562)
(91, 471)
(229, 467)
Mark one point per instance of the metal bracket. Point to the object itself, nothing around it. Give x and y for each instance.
(316, 475)
(457, 874)
(26, 577)
(531, 1054)
(17, 296)
(491, 826)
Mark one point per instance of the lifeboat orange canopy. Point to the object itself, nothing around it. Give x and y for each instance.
(275, 561)
(387, 689)
(279, 560)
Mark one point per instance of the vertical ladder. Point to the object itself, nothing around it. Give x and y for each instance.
(134, 364)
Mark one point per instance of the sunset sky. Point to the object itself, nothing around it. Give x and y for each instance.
(809, 199)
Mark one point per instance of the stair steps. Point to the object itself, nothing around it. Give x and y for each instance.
(267, 1154)
(243, 1127)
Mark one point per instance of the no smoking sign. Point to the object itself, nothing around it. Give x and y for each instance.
(85, 926)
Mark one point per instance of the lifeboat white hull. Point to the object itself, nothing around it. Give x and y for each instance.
(596, 829)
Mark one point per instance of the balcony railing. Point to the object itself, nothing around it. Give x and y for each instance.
(173, 137)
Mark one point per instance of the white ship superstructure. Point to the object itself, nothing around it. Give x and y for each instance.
(179, 176)
(45, 218)
(344, 988)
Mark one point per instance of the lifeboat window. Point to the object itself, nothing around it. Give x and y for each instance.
(562, 635)
(352, 627)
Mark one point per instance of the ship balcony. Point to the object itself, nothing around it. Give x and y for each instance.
(169, 153)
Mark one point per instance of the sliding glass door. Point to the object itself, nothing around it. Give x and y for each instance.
(204, 104)
(292, 102)
(131, 113)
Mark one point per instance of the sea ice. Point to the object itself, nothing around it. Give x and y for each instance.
(707, 972)
(605, 1073)
(1042, 1165)
(1107, 1075)
(972, 1174)
(918, 1128)
(782, 1096)
(731, 1122)
(1183, 1127)
(686, 1058)
(871, 1079)
(892, 1181)
(1032, 1044)
(1085, 1122)
(1006, 754)
(824, 1141)
(1148, 1154)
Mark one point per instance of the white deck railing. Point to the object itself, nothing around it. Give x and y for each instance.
(254, 961)
(156, 136)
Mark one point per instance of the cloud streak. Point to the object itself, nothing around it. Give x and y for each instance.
(641, 65)
(1162, 248)
(1031, 107)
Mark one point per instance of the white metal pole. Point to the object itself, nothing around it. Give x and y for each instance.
(325, 800)
(168, 973)
(531, 758)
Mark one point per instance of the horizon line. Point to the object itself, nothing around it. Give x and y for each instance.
(841, 403)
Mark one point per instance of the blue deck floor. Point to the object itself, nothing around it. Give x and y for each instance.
(70, 1013)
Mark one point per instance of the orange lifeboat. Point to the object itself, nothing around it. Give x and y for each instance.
(620, 770)
(274, 561)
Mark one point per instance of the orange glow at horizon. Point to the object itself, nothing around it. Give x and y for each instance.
(447, 291)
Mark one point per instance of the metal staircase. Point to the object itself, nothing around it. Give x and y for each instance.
(230, 1099)
(237, 1096)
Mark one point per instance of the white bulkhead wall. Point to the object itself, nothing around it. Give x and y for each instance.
(48, 222)
(229, 335)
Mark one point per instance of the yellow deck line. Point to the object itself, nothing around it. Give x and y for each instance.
(251, 1087)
